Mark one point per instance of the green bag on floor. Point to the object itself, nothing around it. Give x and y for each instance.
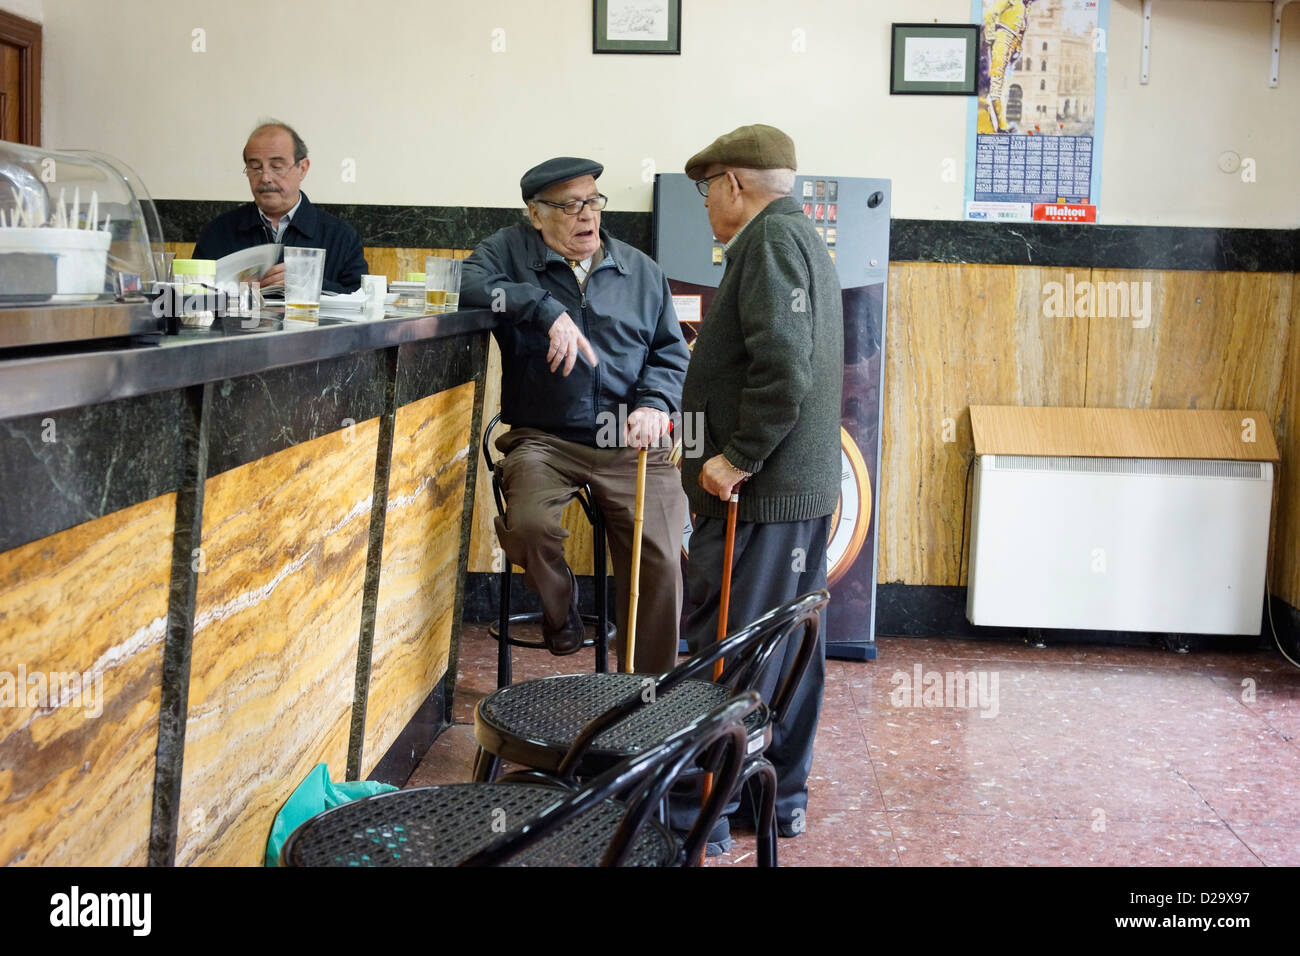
(316, 794)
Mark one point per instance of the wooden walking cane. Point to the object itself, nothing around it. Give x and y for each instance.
(638, 522)
(634, 579)
(724, 604)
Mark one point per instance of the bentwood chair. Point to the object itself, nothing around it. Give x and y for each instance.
(579, 725)
(530, 819)
(500, 631)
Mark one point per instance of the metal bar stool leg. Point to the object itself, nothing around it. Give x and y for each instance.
(486, 766)
(505, 676)
(602, 597)
(764, 781)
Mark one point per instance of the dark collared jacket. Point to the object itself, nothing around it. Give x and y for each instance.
(310, 227)
(626, 313)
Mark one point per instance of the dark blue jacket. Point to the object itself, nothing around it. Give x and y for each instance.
(310, 227)
(626, 313)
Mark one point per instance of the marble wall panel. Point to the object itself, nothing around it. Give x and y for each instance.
(77, 759)
(274, 654)
(958, 335)
(418, 573)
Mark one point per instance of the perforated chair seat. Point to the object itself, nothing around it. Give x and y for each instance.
(445, 825)
(536, 722)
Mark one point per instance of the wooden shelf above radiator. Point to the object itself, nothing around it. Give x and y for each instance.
(1122, 433)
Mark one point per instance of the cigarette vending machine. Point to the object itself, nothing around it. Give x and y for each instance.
(852, 216)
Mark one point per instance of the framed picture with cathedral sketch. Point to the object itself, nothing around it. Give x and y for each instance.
(636, 26)
(936, 58)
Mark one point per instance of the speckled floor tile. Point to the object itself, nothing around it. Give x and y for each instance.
(1090, 756)
(1256, 781)
(1275, 846)
(833, 838)
(842, 775)
(970, 840)
(449, 760)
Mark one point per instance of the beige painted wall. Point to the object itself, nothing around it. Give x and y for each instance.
(412, 92)
(31, 9)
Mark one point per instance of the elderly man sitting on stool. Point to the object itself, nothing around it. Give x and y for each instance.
(592, 365)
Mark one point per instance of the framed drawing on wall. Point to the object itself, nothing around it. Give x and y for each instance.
(636, 26)
(934, 58)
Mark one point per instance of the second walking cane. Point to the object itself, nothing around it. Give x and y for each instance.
(634, 582)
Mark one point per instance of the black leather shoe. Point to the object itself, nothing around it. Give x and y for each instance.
(567, 639)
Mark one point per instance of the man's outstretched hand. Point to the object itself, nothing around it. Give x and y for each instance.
(566, 343)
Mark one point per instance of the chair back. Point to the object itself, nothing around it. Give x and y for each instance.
(492, 463)
(749, 650)
(716, 741)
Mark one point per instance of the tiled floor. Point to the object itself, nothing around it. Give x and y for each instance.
(1073, 755)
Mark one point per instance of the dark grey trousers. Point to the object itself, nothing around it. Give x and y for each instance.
(772, 565)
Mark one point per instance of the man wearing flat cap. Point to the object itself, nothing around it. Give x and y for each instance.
(592, 365)
(766, 373)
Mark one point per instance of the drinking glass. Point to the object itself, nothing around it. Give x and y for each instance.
(435, 283)
(304, 272)
(453, 285)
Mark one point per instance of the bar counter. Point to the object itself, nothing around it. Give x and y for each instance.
(224, 559)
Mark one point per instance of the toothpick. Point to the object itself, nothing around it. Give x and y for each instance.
(107, 220)
(92, 217)
(76, 208)
(61, 214)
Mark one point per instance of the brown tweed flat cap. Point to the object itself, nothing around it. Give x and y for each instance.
(750, 147)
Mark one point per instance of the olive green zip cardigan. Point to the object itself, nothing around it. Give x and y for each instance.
(767, 370)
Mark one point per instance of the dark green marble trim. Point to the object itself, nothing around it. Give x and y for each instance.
(374, 562)
(479, 360)
(62, 469)
(400, 760)
(923, 610)
(911, 240)
(175, 693)
(258, 415)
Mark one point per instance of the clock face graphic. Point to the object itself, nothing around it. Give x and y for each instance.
(852, 514)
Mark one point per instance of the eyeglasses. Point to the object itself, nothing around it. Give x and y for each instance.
(275, 169)
(574, 207)
(703, 184)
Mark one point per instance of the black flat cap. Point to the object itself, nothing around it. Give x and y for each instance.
(558, 170)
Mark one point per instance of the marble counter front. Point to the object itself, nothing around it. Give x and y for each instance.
(225, 559)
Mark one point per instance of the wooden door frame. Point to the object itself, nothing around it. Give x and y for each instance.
(26, 35)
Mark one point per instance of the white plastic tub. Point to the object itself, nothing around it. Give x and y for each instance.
(82, 255)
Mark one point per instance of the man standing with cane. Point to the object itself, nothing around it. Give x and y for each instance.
(766, 374)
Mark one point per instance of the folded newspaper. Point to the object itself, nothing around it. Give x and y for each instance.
(248, 265)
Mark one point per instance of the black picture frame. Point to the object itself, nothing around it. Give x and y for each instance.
(969, 33)
(600, 28)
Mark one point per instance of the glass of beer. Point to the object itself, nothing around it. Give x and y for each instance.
(304, 272)
(435, 284)
(453, 285)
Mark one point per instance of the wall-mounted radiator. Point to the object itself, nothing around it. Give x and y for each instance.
(1176, 545)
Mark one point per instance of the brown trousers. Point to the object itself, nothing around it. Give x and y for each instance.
(540, 475)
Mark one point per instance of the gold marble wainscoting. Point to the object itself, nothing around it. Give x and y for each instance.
(962, 335)
(382, 260)
(81, 644)
(277, 619)
(972, 334)
(418, 573)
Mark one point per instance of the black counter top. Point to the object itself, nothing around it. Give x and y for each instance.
(34, 384)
